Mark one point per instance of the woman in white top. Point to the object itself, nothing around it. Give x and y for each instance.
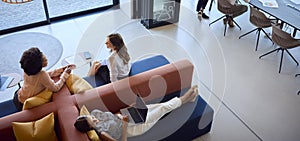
(118, 65)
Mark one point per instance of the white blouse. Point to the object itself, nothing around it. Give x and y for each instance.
(117, 68)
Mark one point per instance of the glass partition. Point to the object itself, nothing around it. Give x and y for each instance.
(156, 13)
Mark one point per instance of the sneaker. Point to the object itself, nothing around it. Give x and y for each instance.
(199, 15)
(204, 16)
(225, 21)
(230, 23)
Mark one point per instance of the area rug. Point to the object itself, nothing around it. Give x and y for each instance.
(13, 46)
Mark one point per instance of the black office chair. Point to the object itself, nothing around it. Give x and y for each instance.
(230, 11)
(212, 1)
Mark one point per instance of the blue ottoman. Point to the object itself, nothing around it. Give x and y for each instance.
(7, 107)
(185, 123)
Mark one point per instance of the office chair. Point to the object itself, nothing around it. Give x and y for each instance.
(258, 19)
(230, 11)
(212, 1)
(285, 41)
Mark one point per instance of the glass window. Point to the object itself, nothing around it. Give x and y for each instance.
(64, 7)
(14, 15)
(33, 13)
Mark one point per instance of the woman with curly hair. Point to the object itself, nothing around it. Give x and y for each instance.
(36, 79)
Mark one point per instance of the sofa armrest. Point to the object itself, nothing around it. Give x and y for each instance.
(66, 119)
(152, 84)
(6, 131)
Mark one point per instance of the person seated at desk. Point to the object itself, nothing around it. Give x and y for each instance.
(116, 126)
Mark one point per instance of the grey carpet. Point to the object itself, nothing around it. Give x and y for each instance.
(12, 47)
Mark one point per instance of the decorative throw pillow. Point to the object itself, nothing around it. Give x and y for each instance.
(77, 84)
(42, 98)
(93, 136)
(40, 130)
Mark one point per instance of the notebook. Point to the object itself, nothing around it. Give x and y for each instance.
(138, 113)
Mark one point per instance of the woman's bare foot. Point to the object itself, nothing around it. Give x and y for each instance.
(94, 68)
(190, 95)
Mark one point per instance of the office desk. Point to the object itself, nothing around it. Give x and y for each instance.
(284, 13)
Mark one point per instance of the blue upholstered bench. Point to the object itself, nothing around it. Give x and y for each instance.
(136, 68)
(185, 123)
(7, 108)
(147, 64)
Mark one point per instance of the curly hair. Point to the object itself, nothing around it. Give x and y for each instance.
(32, 61)
(82, 124)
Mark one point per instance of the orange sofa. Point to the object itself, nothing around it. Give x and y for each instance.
(152, 85)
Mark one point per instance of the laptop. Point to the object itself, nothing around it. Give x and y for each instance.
(137, 114)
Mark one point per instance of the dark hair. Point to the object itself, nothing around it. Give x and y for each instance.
(32, 61)
(116, 40)
(82, 124)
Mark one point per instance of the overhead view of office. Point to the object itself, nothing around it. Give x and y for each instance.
(149, 70)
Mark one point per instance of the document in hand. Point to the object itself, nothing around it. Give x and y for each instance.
(269, 3)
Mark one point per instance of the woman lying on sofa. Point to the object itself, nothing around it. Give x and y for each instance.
(116, 126)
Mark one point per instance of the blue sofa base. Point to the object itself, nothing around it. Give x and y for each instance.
(7, 107)
(185, 123)
(202, 115)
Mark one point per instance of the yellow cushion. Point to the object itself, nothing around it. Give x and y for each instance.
(42, 98)
(77, 84)
(40, 130)
(93, 136)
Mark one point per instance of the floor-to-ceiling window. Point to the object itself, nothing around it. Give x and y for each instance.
(37, 12)
(74, 6)
(15, 15)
